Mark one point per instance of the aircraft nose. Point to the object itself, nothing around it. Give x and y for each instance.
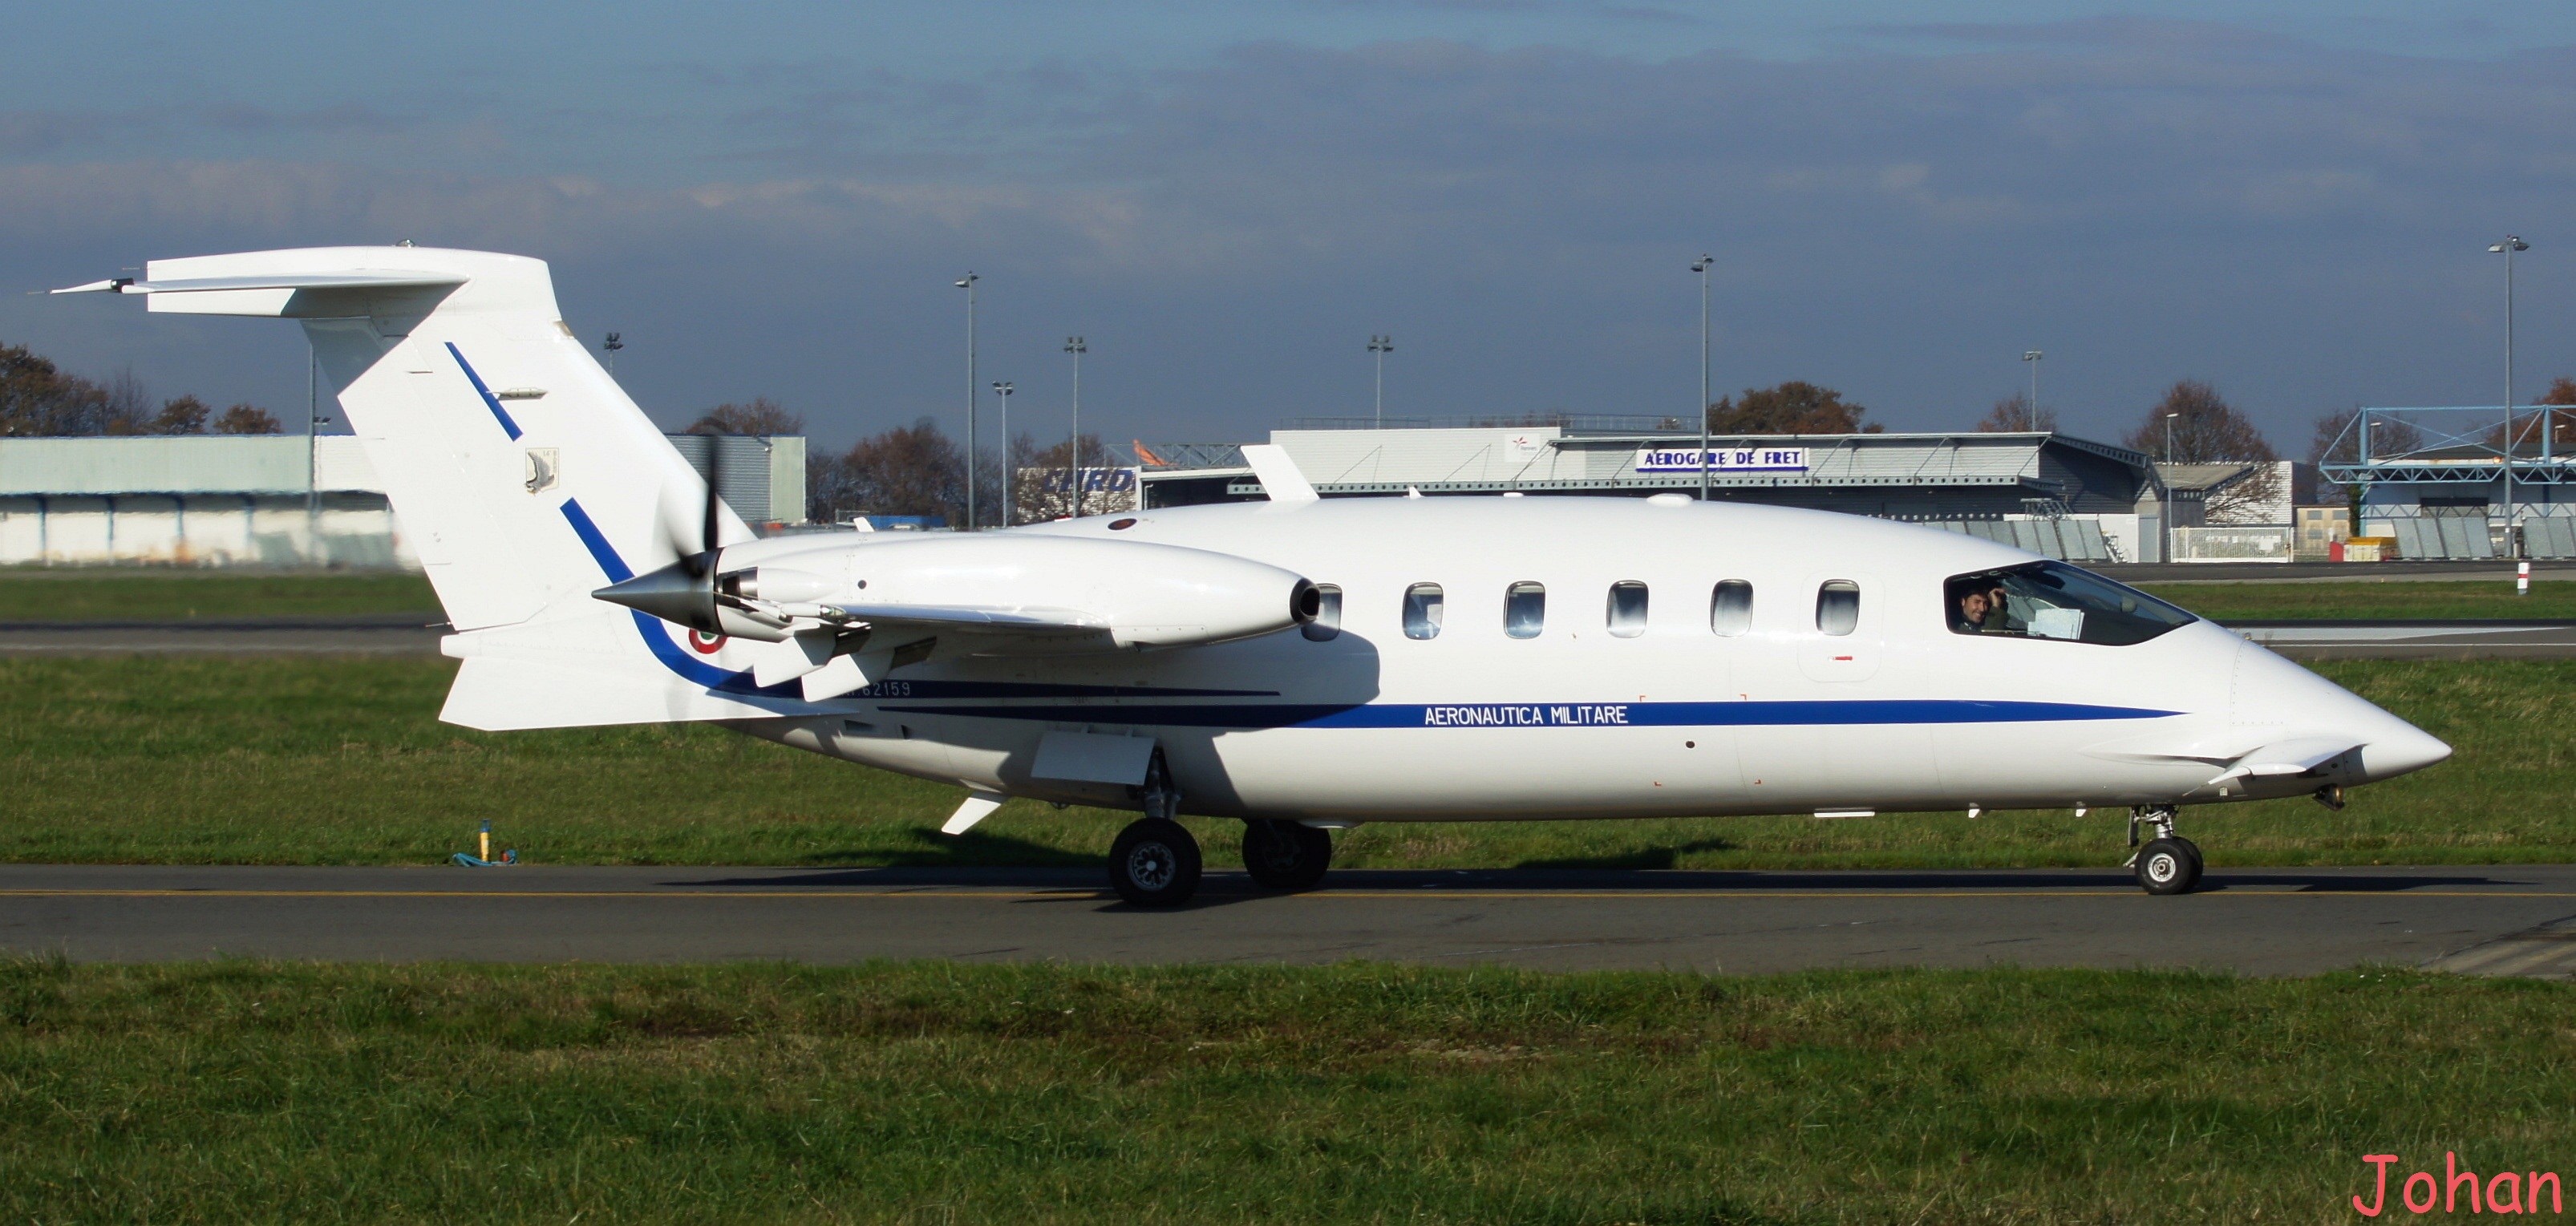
(2273, 693)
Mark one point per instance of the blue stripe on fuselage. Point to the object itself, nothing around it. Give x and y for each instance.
(1558, 715)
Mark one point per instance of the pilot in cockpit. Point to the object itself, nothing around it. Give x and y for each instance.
(1978, 607)
(1968, 613)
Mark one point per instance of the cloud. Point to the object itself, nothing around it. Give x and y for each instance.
(2143, 199)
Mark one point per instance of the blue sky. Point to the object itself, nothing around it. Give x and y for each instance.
(1228, 199)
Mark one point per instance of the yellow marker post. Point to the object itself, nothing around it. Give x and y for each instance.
(486, 837)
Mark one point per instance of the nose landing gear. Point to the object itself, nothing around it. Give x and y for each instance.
(2168, 863)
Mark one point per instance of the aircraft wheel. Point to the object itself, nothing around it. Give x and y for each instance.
(1154, 863)
(1286, 855)
(2168, 866)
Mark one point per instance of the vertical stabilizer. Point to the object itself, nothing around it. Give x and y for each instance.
(519, 471)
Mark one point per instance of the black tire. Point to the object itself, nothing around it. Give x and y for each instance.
(1286, 855)
(1154, 863)
(2168, 866)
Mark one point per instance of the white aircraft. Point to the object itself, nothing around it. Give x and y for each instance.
(1302, 665)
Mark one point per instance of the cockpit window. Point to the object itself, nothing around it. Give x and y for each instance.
(2051, 600)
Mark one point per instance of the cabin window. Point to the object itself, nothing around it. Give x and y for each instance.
(1422, 611)
(1627, 609)
(1838, 606)
(1730, 608)
(2051, 600)
(1525, 610)
(1328, 614)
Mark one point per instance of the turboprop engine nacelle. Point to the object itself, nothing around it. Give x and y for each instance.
(1046, 593)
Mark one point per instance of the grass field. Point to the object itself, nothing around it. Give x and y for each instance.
(1357, 1093)
(2225, 602)
(341, 761)
(180, 595)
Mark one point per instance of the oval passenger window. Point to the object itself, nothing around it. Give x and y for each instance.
(1422, 611)
(1838, 606)
(1525, 610)
(1328, 614)
(1627, 609)
(1730, 608)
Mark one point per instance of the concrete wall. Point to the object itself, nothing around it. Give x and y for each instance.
(344, 530)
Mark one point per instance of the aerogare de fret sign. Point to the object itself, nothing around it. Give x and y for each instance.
(1722, 459)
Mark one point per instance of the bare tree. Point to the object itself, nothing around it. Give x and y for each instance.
(1795, 407)
(185, 415)
(909, 470)
(2014, 415)
(761, 416)
(2338, 442)
(2205, 428)
(246, 419)
(1047, 480)
(2258, 497)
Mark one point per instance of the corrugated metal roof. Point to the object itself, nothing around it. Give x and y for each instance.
(1354, 461)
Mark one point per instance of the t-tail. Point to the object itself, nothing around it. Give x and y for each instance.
(521, 473)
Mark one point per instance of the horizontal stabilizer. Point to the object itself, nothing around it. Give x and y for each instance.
(331, 280)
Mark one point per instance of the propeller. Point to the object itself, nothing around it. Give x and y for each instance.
(685, 591)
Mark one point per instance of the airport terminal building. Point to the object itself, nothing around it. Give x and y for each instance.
(2050, 493)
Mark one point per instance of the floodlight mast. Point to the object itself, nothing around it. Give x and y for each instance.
(2033, 356)
(1701, 266)
(1380, 346)
(968, 285)
(1077, 347)
(1004, 391)
(2512, 520)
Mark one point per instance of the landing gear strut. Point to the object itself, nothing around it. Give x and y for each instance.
(2169, 863)
(1155, 862)
(1286, 855)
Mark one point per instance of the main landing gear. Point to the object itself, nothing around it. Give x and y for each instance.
(2169, 863)
(1286, 855)
(1155, 862)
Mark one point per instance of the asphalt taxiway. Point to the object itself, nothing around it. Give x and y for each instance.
(2268, 921)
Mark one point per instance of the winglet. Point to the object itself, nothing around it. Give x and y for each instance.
(1279, 476)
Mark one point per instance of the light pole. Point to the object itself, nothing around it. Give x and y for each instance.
(1004, 391)
(1074, 345)
(2169, 420)
(610, 347)
(312, 448)
(2032, 356)
(2506, 249)
(1701, 266)
(1380, 346)
(968, 285)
